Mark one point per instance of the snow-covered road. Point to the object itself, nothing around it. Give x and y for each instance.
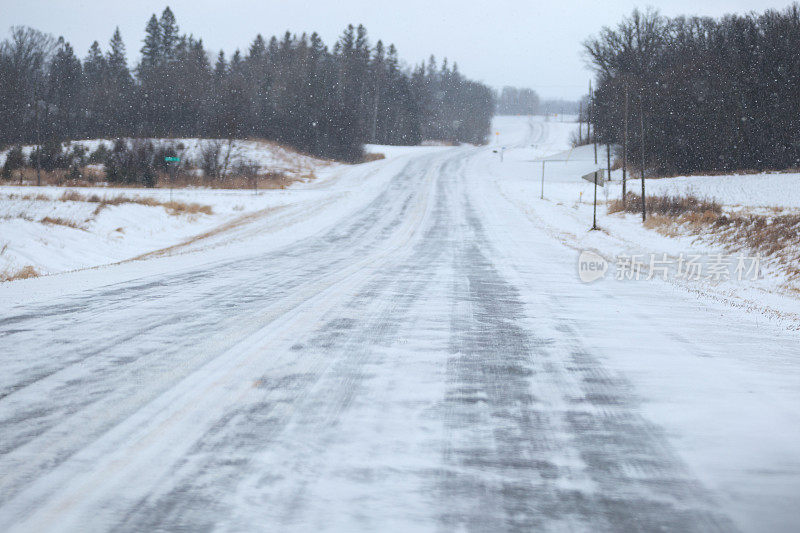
(413, 354)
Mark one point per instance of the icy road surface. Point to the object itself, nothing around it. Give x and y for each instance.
(413, 354)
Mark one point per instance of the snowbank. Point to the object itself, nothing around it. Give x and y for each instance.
(39, 227)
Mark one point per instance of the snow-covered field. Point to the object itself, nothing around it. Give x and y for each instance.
(117, 232)
(775, 190)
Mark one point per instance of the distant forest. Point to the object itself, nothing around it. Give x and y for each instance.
(702, 94)
(517, 101)
(523, 101)
(293, 89)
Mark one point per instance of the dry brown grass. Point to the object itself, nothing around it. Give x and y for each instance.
(667, 205)
(22, 273)
(60, 222)
(29, 197)
(270, 180)
(72, 196)
(774, 236)
(122, 199)
(173, 207)
(58, 178)
(618, 206)
(180, 208)
(768, 235)
(182, 179)
(368, 158)
(667, 226)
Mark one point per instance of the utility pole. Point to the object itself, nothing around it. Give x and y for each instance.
(608, 160)
(594, 213)
(589, 114)
(641, 130)
(580, 123)
(589, 122)
(38, 135)
(625, 147)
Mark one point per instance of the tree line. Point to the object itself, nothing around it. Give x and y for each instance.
(517, 101)
(696, 94)
(294, 90)
(525, 101)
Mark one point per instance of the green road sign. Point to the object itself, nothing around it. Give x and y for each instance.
(172, 159)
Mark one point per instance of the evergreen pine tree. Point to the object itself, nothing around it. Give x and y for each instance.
(116, 54)
(65, 91)
(169, 34)
(151, 51)
(95, 68)
(119, 88)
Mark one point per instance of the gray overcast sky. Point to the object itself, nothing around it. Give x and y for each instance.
(500, 42)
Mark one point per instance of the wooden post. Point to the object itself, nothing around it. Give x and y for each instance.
(594, 215)
(625, 148)
(589, 122)
(542, 196)
(38, 136)
(641, 129)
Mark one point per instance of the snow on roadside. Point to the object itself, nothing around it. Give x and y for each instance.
(566, 213)
(129, 230)
(39, 229)
(391, 151)
(710, 376)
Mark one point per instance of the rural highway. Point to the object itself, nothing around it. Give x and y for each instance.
(429, 361)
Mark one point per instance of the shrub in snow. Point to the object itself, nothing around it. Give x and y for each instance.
(100, 155)
(15, 159)
(49, 155)
(209, 158)
(132, 164)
